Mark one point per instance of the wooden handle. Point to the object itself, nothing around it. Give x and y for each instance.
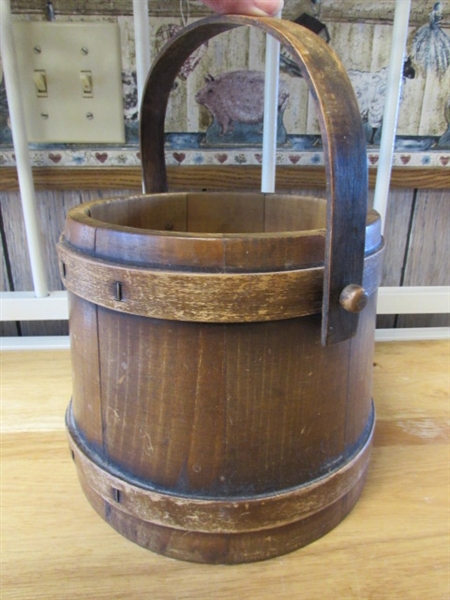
(342, 136)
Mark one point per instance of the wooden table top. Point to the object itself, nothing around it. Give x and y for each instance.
(394, 545)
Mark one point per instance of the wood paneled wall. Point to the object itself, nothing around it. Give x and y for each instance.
(417, 231)
(417, 248)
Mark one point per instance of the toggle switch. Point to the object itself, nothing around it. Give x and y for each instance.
(86, 84)
(40, 81)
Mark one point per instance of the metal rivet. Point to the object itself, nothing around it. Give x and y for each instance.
(84, 50)
(89, 116)
(37, 49)
(44, 115)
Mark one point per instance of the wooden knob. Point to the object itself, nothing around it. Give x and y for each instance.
(353, 298)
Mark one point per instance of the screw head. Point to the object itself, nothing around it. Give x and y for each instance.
(89, 116)
(84, 51)
(37, 49)
(44, 115)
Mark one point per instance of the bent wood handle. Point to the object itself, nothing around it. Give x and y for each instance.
(342, 136)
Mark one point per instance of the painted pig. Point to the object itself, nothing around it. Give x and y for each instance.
(238, 96)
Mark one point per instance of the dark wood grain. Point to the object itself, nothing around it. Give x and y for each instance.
(115, 256)
(177, 422)
(212, 515)
(342, 136)
(225, 411)
(210, 177)
(201, 296)
(397, 246)
(227, 414)
(84, 344)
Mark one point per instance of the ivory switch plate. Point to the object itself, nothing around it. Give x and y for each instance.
(71, 81)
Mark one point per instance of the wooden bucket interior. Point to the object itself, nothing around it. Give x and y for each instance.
(214, 213)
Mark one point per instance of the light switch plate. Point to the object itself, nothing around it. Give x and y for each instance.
(65, 52)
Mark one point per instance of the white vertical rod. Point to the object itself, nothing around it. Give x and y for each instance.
(141, 48)
(24, 173)
(390, 115)
(142, 43)
(269, 149)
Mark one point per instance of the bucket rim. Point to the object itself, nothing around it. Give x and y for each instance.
(82, 214)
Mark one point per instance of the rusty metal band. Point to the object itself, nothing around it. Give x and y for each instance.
(216, 515)
(200, 297)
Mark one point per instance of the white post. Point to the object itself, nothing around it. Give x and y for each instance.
(390, 116)
(141, 48)
(24, 173)
(270, 114)
(142, 43)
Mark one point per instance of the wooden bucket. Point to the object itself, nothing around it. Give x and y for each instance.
(221, 405)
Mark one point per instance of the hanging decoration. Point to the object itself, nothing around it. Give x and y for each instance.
(431, 45)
